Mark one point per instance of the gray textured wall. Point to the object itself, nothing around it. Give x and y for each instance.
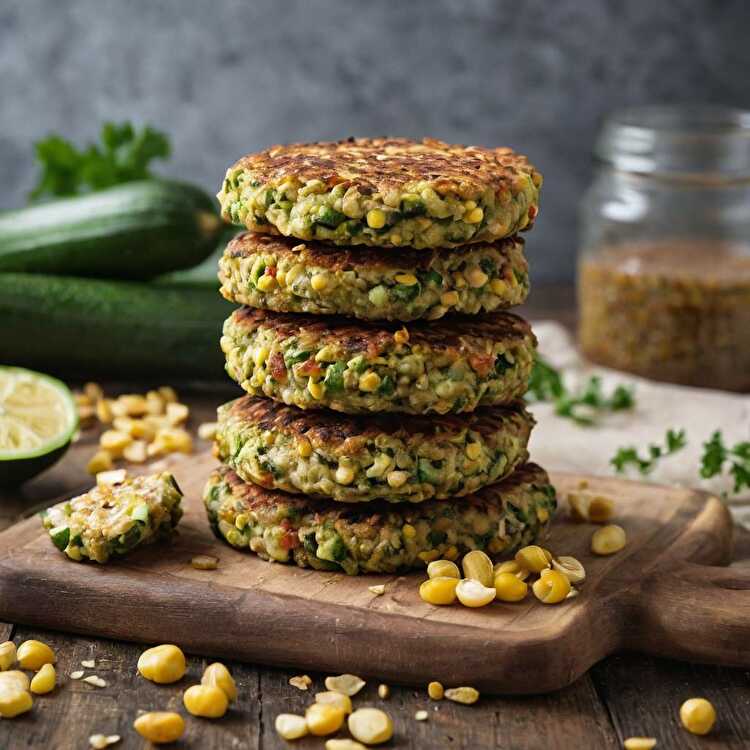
(226, 77)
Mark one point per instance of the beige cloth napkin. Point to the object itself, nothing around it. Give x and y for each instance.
(558, 443)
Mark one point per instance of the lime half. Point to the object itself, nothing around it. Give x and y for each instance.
(38, 417)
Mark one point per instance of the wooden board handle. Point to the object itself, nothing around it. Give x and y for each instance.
(695, 612)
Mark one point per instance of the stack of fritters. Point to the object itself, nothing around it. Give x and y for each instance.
(365, 444)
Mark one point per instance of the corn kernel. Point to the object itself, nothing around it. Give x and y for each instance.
(370, 726)
(208, 430)
(435, 691)
(542, 515)
(162, 664)
(465, 695)
(14, 700)
(697, 715)
(451, 553)
(160, 727)
(443, 569)
(319, 282)
(510, 588)
(474, 216)
(290, 726)
(407, 279)
(204, 562)
(304, 449)
(601, 509)
(114, 441)
(178, 413)
(171, 440)
(344, 475)
(449, 299)
(346, 684)
(608, 539)
(470, 205)
(7, 655)
(428, 555)
(208, 701)
(473, 451)
(15, 679)
(34, 655)
(472, 593)
(345, 744)
(369, 381)
(44, 680)
(512, 566)
(323, 719)
(168, 393)
(101, 741)
(317, 390)
(93, 391)
(301, 681)
(478, 566)
(439, 591)
(135, 453)
(476, 278)
(378, 589)
(498, 287)
(408, 531)
(335, 699)
(397, 479)
(133, 404)
(383, 691)
(375, 218)
(532, 558)
(552, 587)
(570, 568)
(401, 336)
(639, 743)
(266, 283)
(421, 715)
(218, 675)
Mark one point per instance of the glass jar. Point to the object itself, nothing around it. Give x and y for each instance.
(664, 265)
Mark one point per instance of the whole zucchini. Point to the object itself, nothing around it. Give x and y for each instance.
(85, 326)
(132, 231)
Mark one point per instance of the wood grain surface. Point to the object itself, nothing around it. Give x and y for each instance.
(658, 595)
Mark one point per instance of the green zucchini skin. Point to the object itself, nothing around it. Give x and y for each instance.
(88, 326)
(132, 231)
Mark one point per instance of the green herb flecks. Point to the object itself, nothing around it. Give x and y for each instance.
(674, 441)
(716, 454)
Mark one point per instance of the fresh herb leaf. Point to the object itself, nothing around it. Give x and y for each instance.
(716, 454)
(123, 155)
(674, 441)
(545, 383)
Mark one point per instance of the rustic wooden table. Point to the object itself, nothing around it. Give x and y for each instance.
(623, 696)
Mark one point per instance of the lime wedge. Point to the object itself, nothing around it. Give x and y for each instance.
(38, 417)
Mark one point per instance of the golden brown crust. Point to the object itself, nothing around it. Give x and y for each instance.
(384, 164)
(322, 427)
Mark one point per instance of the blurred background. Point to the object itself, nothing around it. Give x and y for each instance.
(226, 77)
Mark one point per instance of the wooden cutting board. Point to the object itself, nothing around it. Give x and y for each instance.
(661, 594)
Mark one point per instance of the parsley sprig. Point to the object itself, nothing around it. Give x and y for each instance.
(716, 454)
(582, 407)
(123, 155)
(674, 441)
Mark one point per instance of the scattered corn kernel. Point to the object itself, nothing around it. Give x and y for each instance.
(370, 726)
(428, 555)
(510, 588)
(101, 461)
(7, 655)
(532, 558)
(162, 664)
(472, 593)
(15, 679)
(397, 479)
(697, 715)
(319, 282)
(478, 567)
(304, 449)
(383, 691)
(477, 278)
(110, 478)
(443, 569)
(474, 216)
(160, 727)
(337, 700)
(378, 589)
(76, 675)
(375, 218)
(205, 562)
(570, 568)
(101, 741)
(639, 743)
(95, 680)
(552, 587)
(301, 682)
(323, 719)
(369, 381)
(171, 440)
(136, 452)
(316, 389)
(134, 404)
(208, 701)
(439, 591)
(88, 663)
(449, 299)
(44, 680)
(218, 675)
(435, 691)
(207, 430)
(401, 336)
(465, 695)
(498, 287)
(266, 283)
(608, 540)
(512, 566)
(177, 413)
(421, 715)
(290, 726)
(34, 655)
(344, 744)
(168, 393)
(14, 700)
(344, 475)
(346, 684)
